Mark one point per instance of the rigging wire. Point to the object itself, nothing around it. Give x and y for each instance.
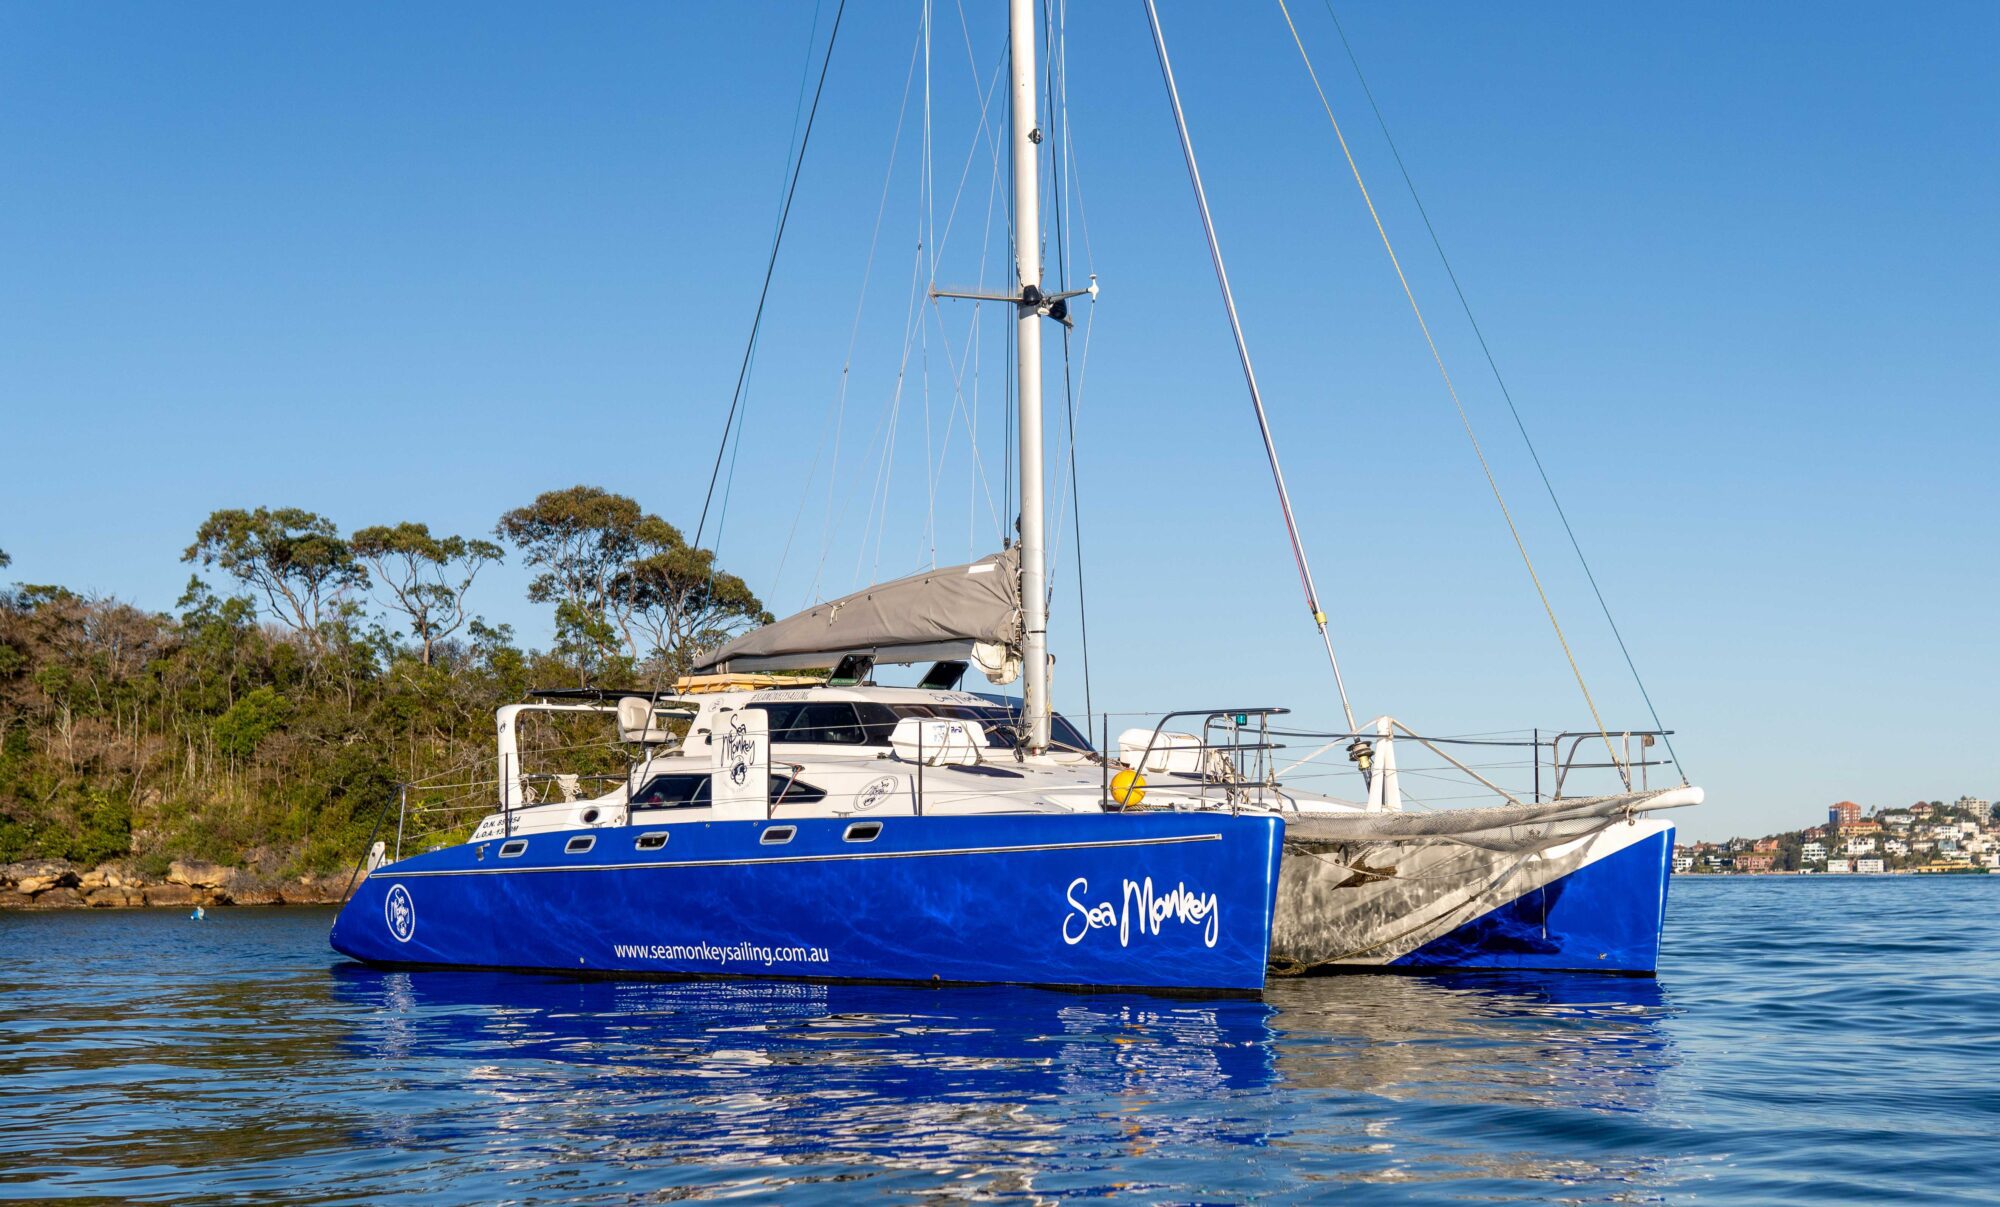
(794, 167)
(1464, 419)
(847, 363)
(770, 268)
(1058, 70)
(1451, 274)
(1243, 355)
(986, 94)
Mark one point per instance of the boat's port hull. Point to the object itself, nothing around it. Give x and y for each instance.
(1164, 901)
(1596, 904)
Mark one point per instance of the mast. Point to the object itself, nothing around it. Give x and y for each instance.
(1028, 312)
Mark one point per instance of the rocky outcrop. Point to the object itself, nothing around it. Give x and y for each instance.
(311, 890)
(36, 877)
(168, 894)
(55, 884)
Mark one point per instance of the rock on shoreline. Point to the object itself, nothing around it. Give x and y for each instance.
(58, 884)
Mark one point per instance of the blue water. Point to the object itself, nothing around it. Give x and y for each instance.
(1807, 1040)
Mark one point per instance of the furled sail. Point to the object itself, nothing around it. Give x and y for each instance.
(953, 612)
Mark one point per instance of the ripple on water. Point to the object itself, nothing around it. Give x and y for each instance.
(1805, 1041)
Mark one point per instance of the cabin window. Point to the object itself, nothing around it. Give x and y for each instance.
(869, 722)
(821, 722)
(863, 831)
(681, 791)
(774, 835)
(651, 841)
(509, 850)
(579, 844)
(788, 791)
(1000, 722)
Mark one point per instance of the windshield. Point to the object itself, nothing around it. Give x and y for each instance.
(869, 722)
(1002, 724)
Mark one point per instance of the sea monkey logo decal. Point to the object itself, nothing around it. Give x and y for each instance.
(400, 912)
(739, 748)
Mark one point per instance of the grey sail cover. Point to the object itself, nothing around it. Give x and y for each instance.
(938, 613)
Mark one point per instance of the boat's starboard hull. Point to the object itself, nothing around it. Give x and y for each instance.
(1165, 901)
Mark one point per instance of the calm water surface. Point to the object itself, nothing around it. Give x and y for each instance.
(1807, 1040)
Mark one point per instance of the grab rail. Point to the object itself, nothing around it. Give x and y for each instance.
(1257, 776)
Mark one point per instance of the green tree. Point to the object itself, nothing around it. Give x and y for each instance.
(624, 580)
(581, 539)
(295, 558)
(683, 604)
(427, 576)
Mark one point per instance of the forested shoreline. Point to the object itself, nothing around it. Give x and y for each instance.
(240, 745)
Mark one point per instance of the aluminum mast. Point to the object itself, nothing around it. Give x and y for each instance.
(1029, 310)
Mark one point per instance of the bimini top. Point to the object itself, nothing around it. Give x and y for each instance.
(943, 613)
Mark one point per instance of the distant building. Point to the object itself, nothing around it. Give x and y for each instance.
(1895, 846)
(1765, 845)
(1839, 865)
(1978, 808)
(1859, 846)
(1749, 862)
(1897, 817)
(1846, 813)
(1868, 866)
(1813, 852)
(1683, 863)
(1920, 809)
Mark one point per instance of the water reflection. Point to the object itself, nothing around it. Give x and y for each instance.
(1011, 1091)
(1593, 1042)
(239, 1059)
(832, 1081)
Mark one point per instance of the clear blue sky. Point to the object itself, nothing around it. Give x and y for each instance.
(422, 262)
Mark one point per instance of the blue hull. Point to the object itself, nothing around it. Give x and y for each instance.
(1604, 917)
(1159, 901)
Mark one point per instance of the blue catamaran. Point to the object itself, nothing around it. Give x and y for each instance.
(780, 819)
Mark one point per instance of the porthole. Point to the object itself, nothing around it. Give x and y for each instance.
(777, 834)
(863, 831)
(651, 841)
(590, 817)
(579, 844)
(509, 850)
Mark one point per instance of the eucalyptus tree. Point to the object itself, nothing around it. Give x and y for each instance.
(294, 558)
(580, 539)
(427, 576)
(617, 574)
(682, 603)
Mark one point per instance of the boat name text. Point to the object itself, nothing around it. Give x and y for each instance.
(1152, 910)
